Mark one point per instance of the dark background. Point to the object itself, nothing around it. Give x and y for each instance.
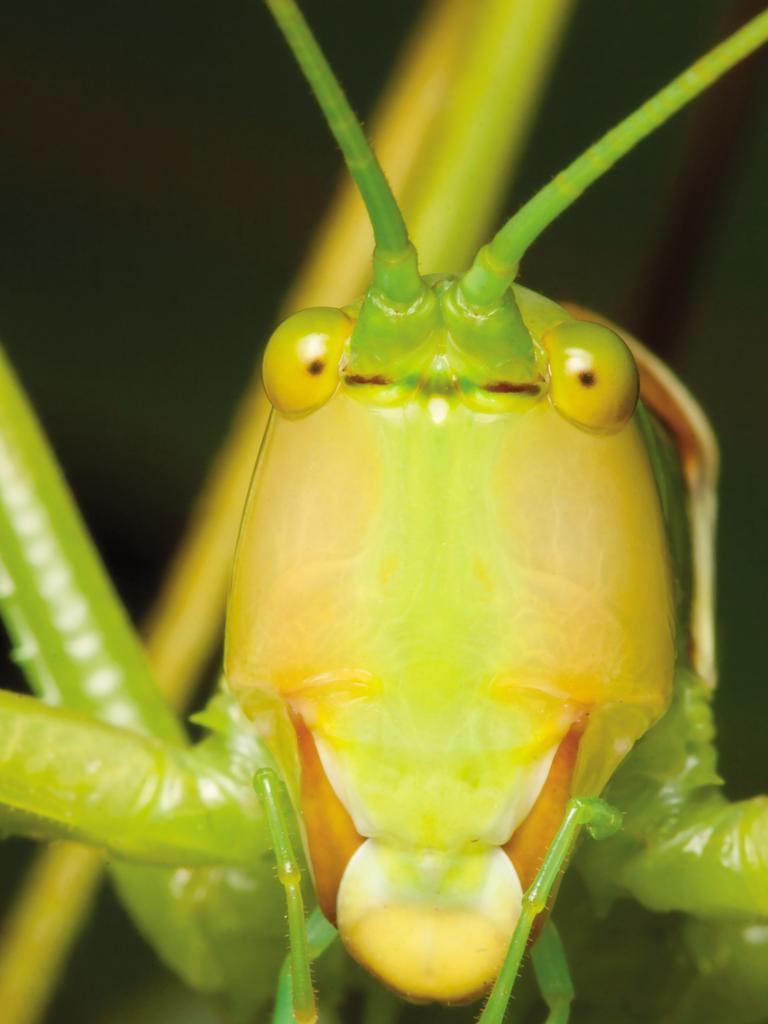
(161, 168)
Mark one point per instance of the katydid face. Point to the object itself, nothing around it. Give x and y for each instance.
(440, 595)
(452, 605)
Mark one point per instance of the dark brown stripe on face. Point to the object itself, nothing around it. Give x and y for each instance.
(509, 387)
(360, 378)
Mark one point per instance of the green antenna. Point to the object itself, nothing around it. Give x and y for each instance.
(495, 266)
(395, 267)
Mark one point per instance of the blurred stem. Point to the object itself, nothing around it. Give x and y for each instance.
(456, 45)
(38, 933)
(505, 66)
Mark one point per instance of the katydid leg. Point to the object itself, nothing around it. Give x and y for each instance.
(684, 846)
(267, 785)
(320, 935)
(70, 634)
(381, 1007)
(691, 868)
(64, 775)
(552, 974)
(601, 821)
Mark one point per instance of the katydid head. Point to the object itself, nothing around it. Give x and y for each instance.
(432, 600)
(453, 586)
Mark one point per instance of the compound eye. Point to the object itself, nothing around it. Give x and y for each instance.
(301, 360)
(593, 377)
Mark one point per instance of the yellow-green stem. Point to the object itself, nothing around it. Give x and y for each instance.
(37, 935)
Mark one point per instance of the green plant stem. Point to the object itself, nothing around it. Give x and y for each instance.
(47, 918)
(507, 51)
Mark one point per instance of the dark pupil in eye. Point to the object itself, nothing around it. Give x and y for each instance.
(316, 366)
(587, 378)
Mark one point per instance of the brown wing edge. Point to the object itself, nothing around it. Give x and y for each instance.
(671, 402)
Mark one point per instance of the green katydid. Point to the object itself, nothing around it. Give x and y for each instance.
(457, 388)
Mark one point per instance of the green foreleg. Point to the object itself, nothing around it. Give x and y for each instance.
(77, 649)
(267, 786)
(601, 821)
(713, 863)
(684, 846)
(191, 850)
(320, 935)
(65, 776)
(70, 633)
(552, 974)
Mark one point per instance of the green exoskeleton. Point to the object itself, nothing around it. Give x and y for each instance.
(471, 596)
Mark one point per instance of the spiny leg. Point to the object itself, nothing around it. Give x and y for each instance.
(144, 802)
(320, 935)
(552, 974)
(684, 847)
(267, 785)
(601, 821)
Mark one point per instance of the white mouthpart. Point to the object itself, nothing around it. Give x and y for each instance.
(430, 924)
